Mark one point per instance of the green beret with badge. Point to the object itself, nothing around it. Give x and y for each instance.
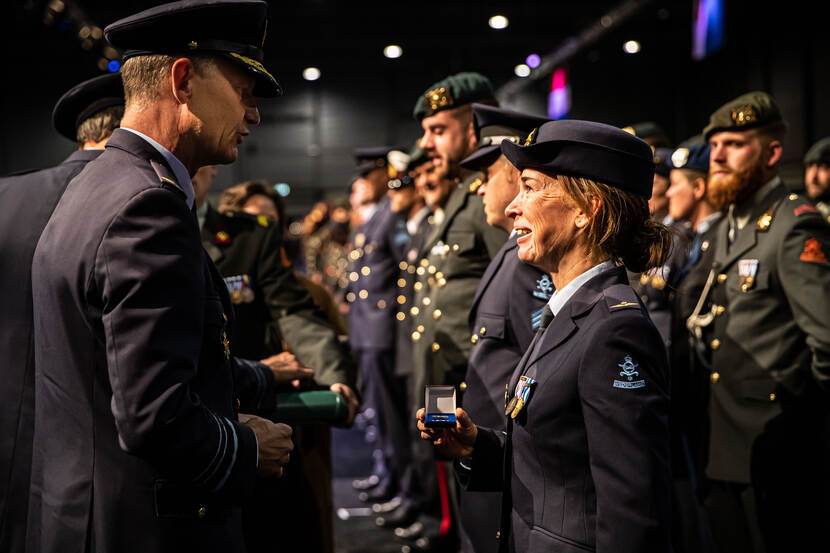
(452, 92)
(748, 111)
(818, 153)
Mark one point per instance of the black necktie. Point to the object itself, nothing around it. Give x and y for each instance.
(547, 317)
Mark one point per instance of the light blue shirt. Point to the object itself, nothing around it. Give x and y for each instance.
(181, 174)
(560, 297)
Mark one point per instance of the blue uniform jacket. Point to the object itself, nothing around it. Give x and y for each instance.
(504, 315)
(379, 247)
(585, 464)
(506, 310)
(26, 202)
(137, 447)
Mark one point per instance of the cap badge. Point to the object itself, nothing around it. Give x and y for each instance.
(744, 115)
(680, 157)
(629, 130)
(192, 44)
(438, 98)
(530, 137)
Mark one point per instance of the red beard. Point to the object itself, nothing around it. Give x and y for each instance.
(737, 186)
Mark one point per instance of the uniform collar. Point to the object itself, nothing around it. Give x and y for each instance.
(415, 221)
(743, 212)
(560, 297)
(708, 221)
(178, 168)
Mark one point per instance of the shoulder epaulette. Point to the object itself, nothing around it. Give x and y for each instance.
(620, 297)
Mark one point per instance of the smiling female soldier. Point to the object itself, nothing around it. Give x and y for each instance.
(584, 463)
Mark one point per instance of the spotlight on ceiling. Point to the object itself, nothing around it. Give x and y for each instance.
(498, 22)
(311, 73)
(521, 70)
(533, 61)
(631, 47)
(393, 51)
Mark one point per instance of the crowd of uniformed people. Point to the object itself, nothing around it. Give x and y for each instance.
(637, 335)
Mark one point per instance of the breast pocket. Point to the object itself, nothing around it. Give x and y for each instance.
(490, 327)
(461, 242)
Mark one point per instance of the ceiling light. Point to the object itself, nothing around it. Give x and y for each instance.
(393, 51)
(533, 61)
(311, 73)
(498, 22)
(521, 70)
(631, 47)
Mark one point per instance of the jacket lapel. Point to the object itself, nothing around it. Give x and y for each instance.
(748, 236)
(456, 201)
(490, 272)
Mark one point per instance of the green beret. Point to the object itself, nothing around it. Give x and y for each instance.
(454, 91)
(752, 110)
(819, 152)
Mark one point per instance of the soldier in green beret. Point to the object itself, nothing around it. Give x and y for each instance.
(764, 320)
(817, 175)
(457, 250)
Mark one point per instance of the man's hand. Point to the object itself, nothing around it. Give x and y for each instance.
(351, 400)
(285, 368)
(451, 442)
(274, 440)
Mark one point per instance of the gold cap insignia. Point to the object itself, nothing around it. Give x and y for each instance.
(529, 139)
(192, 44)
(744, 115)
(680, 157)
(438, 98)
(629, 130)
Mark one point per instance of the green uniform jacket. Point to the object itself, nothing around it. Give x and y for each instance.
(452, 261)
(769, 337)
(271, 304)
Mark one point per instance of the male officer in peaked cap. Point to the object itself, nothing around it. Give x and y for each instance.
(378, 248)
(86, 114)
(766, 322)
(506, 308)
(817, 175)
(138, 442)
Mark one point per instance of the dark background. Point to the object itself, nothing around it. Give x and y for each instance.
(363, 99)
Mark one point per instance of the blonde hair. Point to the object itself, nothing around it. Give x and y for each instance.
(100, 125)
(622, 228)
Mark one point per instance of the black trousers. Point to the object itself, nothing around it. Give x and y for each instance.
(383, 392)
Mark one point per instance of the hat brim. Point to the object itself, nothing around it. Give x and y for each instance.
(562, 157)
(266, 84)
(481, 158)
(85, 100)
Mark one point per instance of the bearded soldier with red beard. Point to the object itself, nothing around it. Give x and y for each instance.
(764, 317)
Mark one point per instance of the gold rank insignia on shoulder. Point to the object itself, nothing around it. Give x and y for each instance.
(744, 115)
(262, 220)
(438, 98)
(765, 220)
(623, 304)
(474, 185)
